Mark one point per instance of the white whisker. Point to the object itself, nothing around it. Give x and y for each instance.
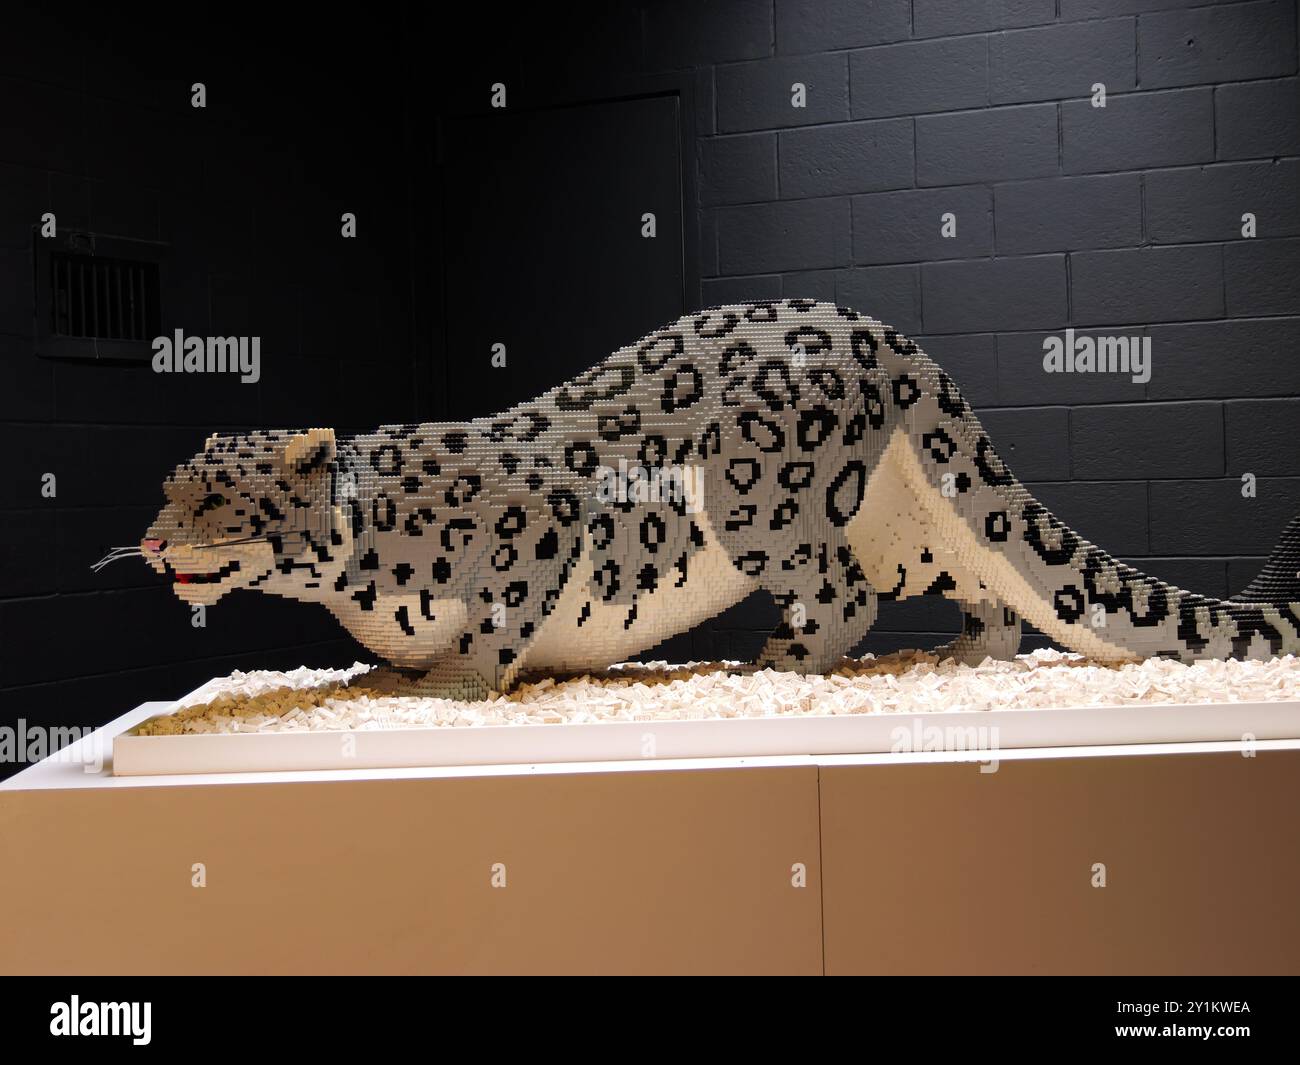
(231, 543)
(115, 554)
(133, 551)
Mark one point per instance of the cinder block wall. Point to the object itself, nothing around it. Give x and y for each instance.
(96, 126)
(1123, 220)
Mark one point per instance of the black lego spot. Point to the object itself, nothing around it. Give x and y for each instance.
(710, 440)
(1157, 601)
(596, 386)
(874, 404)
(564, 506)
(735, 356)
(652, 452)
(512, 522)
(864, 347)
(942, 583)
(548, 546)
(951, 401)
(795, 476)
(991, 468)
(830, 383)
(906, 391)
(365, 597)
(726, 325)
(784, 514)
(841, 508)
(647, 580)
(601, 527)
(682, 388)
(654, 354)
(743, 474)
(510, 428)
(895, 592)
(762, 311)
(939, 444)
(386, 460)
(765, 434)
(772, 384)
(653, 532)
(581, 458)
(465, 526)
(742, 517)
(997, 527)
(899, 343)
(612, 427)
(813, 341)
(1035, 514)
(455, 442)
(815, 427)
(855, 429)
(403, 620)
(1069, 603)
(463, 489)
(606, 578)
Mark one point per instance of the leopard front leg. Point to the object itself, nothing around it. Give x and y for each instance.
(827, 607)
(507, 595)
(512, 605)
(448, 678)
(781, 492)
(989, 630)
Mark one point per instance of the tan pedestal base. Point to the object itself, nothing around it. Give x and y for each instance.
(873, 863)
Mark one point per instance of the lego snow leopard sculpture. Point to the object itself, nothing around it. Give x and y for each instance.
(791, 446)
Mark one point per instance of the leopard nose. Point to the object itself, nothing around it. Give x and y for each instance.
(154, 547)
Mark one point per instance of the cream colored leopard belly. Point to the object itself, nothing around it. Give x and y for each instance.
(564, 645)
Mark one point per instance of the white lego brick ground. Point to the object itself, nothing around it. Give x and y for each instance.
(321, 700)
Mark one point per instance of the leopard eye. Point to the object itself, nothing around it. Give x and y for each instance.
(211, 502)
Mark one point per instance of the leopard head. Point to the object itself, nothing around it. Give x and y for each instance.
(250, 510)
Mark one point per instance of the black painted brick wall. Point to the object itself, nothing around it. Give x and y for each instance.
(1117, 221)
(96, 126)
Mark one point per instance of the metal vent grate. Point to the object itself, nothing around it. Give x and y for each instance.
(96, 298)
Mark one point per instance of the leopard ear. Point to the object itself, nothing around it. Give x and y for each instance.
(211, 442)
(309, 451)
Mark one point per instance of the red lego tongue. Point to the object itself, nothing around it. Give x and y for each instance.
(184, 578)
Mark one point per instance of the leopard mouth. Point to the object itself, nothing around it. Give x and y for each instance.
(207, 578)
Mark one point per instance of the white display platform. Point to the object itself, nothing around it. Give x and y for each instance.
(980, 734)
(125, 758)
(910, 862)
